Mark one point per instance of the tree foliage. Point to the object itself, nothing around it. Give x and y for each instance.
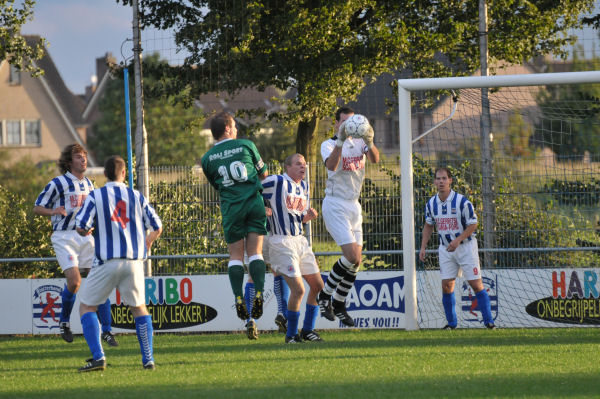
(326, 51)
(520, 222)
(191, 225)
(13, 46)
(570, 122)
(173, 129)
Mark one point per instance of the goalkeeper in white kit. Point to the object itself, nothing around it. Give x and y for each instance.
(345, 159)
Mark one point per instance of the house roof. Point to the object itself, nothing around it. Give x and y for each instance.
(69, 106)
(72, 104)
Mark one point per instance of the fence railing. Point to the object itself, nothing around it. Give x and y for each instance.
(192, 241)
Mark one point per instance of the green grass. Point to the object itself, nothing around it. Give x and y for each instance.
(505, 363)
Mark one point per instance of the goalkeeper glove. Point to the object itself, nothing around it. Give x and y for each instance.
(341, 135)
(368, 137)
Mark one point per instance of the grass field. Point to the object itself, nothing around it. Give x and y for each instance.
(470, 363)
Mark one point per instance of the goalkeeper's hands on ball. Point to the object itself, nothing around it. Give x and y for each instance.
(341, 135)
(368, 137)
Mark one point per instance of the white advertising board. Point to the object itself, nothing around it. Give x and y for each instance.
(193, 303)
(519, 298)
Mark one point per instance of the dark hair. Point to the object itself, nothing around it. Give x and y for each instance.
(343, 110)
(66, 156)
(444, 168)
(218, 124)
(113, 166)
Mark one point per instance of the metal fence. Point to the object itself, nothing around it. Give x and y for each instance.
(543, 219)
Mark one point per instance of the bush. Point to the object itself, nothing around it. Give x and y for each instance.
(24, 236)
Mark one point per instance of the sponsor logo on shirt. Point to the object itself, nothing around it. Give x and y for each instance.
(353, 163)
(225, 154)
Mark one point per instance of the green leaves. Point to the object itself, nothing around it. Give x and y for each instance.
(13, 46)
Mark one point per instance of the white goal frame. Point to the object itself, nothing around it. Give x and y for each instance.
(405, 87)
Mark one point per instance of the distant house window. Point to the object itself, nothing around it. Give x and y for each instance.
(32, 133)
(13, 132)
(15, 76)
(20, 133)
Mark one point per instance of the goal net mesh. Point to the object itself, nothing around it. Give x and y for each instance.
(545, 151)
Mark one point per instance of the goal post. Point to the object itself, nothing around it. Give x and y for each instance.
(405, 88)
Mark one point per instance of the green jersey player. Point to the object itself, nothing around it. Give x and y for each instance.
(235, 169)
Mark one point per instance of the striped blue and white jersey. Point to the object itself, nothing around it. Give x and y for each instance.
(68, 191)
(289, 202)
(120, 217)
(451, 216)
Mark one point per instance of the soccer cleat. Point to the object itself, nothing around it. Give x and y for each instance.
(240, 308)
(93, 365)
(257, 305)
(310, 336)
(149, 365)
(251, 330)
(490, 326)
(65, 332)
(293, 340)
(109, 338)
(281, 322)
(325, 307)
(340, 312)
(448, 327)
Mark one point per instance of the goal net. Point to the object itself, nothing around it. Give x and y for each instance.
(538, 230)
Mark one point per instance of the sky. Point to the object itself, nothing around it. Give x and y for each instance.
(79, 31)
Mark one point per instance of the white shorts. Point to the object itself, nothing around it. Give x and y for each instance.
(465, 258)
(73, 250)
(126, 275)
(292, 256)
(343, 220)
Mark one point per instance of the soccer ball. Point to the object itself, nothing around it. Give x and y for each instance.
(357, 125)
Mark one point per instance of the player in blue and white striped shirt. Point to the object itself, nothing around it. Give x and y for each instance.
(120, 218)
(61, 199)
(289, 252)
(456, 222)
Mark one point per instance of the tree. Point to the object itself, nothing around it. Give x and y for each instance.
(13, 46)
(570, 122)
(173, 130)
(328, 51)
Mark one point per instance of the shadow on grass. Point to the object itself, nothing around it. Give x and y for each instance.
(543, 385)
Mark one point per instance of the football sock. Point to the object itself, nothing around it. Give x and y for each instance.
(285, 293)
(282, 293)
(449, 302)
(257, 270)
(310, 317)
(236, 277)
(105, 316)
(344, 287)
(249, 296)
(144, 332)
(483, 301)
(338, 272)
(68, 299)
(292, 326)
(91, 333)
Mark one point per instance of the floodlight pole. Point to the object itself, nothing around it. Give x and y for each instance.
(486, 140)
(141, 139)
